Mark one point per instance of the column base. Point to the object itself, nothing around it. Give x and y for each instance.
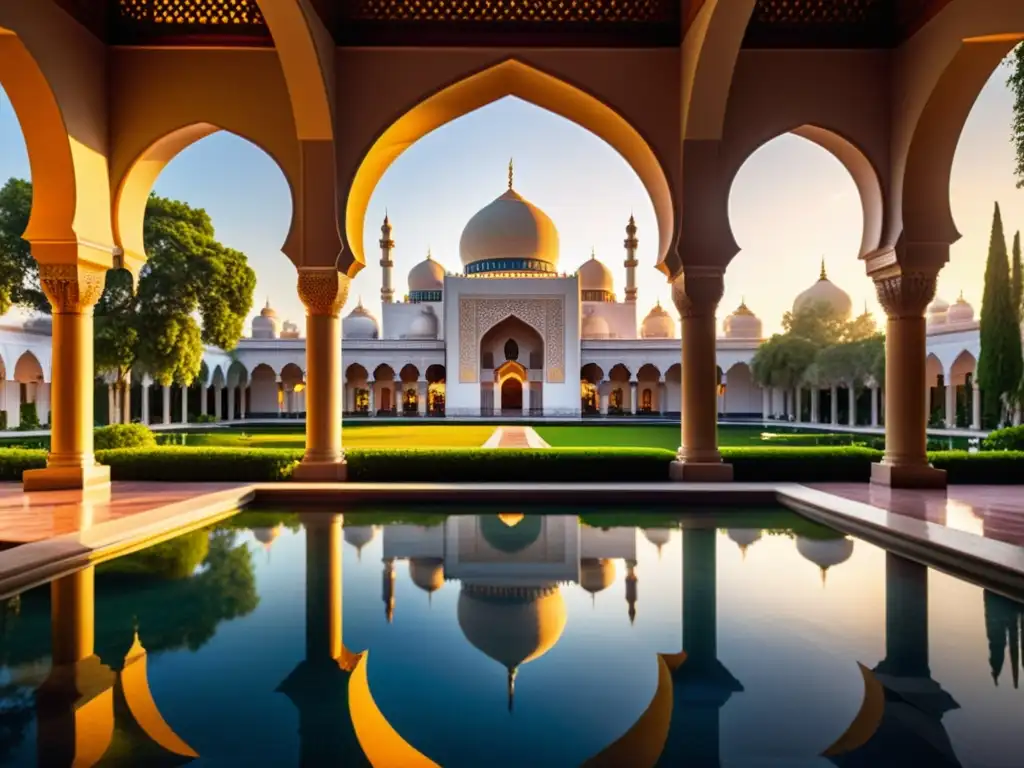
(87, 478)
(321, 471)
(917, 476)
(700, 472)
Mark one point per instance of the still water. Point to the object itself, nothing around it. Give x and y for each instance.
(736, 639)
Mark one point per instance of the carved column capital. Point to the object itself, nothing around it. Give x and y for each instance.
(323, 290)
(905, 294)
(72, 288)
(696, 292)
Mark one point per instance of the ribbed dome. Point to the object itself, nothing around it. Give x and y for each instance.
(595, 276)
(658, 324)
(428, 275)
(960, 312)
(596, 575)
(427, 573)
(359, 535)
(424, 326)
(360, 324)
(742, 324)
(595, 327)
(824, 291)
(509, 235)
(937, 312)
(744, 537)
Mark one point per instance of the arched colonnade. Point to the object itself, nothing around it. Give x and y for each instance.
(98, 133)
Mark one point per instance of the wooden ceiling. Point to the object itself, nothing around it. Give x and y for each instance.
(506, 23)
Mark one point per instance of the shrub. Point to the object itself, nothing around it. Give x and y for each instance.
(481, 465)
(810, 438)
(172, 464)
(14, 461)
(983, 468)
(123, 436)
(3, 420)
(29, 417)
(1007, 439)
(203, 418)
(829, 464)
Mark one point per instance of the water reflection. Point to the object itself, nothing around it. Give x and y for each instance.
(547, 603)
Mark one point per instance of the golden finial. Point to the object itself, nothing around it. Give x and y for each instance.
(593, 255)
(823, 275)
(430, 254)
(510, 172)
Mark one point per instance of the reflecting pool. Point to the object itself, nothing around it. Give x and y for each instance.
(733, 638)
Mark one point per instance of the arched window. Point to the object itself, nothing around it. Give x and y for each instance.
(511, 350)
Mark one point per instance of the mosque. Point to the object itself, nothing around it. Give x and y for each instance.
(505, 337)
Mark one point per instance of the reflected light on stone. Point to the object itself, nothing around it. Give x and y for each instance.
(511, 519)
(964, 517)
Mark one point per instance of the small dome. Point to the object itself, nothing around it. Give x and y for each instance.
(428, 275)
(744, 537)
(266, 325)
(742, 324)
(658, 324)
(424, 326)
(359, 535)
(825, 292)
(825, 553)
(595, 327)
(596, 278)
(510, 234)
(427, 573)
(360, 324)
(289, 330)
(659, 537)
(266, 535)
(960, 312)
(596, 575)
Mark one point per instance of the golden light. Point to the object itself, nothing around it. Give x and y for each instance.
(299, 387)
(511, 519)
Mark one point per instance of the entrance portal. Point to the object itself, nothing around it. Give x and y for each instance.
(511, 395)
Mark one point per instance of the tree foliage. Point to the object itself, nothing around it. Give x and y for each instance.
(1000, 364)
(1016, 83)
(1017, 279)
(783, 360)
(192, 290)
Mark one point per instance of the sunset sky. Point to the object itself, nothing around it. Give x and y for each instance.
(791, 205)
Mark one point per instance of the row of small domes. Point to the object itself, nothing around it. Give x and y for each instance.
(943, 313)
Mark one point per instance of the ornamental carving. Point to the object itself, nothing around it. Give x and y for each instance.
(225, 13)
(907, 294)
(518, 11)
(697, 294)
(820, 12)
(478, 315)
(72, 288)
(323, 291)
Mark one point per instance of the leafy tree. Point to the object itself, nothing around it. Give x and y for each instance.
(818, 323)
(1016, 83)
(1000, 364)
(19, 273)
(782, 361)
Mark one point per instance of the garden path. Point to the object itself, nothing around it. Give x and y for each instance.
(515, 437)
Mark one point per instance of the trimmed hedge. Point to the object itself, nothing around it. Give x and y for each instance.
(832, 464)
(513, 465)
(123, 436)
(461, 465)
(1006, 439)
(809, 439)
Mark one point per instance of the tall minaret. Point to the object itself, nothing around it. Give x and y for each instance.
(630, 263)
(387, 245)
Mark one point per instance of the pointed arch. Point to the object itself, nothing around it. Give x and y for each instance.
(508, 78)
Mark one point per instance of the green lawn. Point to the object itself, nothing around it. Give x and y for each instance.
(640, 435)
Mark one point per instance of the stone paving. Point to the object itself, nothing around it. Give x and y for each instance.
(515, 437)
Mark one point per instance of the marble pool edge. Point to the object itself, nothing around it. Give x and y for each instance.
(992, 564)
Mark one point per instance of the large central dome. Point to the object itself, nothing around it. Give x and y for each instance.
(509, 235)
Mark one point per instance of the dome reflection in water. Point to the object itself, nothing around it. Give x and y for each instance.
(510, 638)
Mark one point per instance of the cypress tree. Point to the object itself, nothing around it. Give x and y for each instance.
(999, 366)
(1015, 282)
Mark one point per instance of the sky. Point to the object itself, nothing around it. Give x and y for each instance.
(791, 205)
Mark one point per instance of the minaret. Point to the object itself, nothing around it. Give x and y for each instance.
(388, 589)
(630, 244)
(387, 245)
(631, 594)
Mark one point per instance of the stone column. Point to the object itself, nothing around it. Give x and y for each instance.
(798, 396)
(975, 405)
(852, 395)
(242, 394)
(496, 408)
(146, 384)
(696, 294)
(874, 406)
(603, 396)
(833, 402)
(231, 403)
(766, 403)
(217, 399)
(371, 386)
(950, 404)
(421, 397)
(112, 409)
(815, 405)
(203, 389)
(184, 404)
(632, 397)
(526, 397)
(167, 404)
(323, 292)
(662, 396)
(905, 296)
